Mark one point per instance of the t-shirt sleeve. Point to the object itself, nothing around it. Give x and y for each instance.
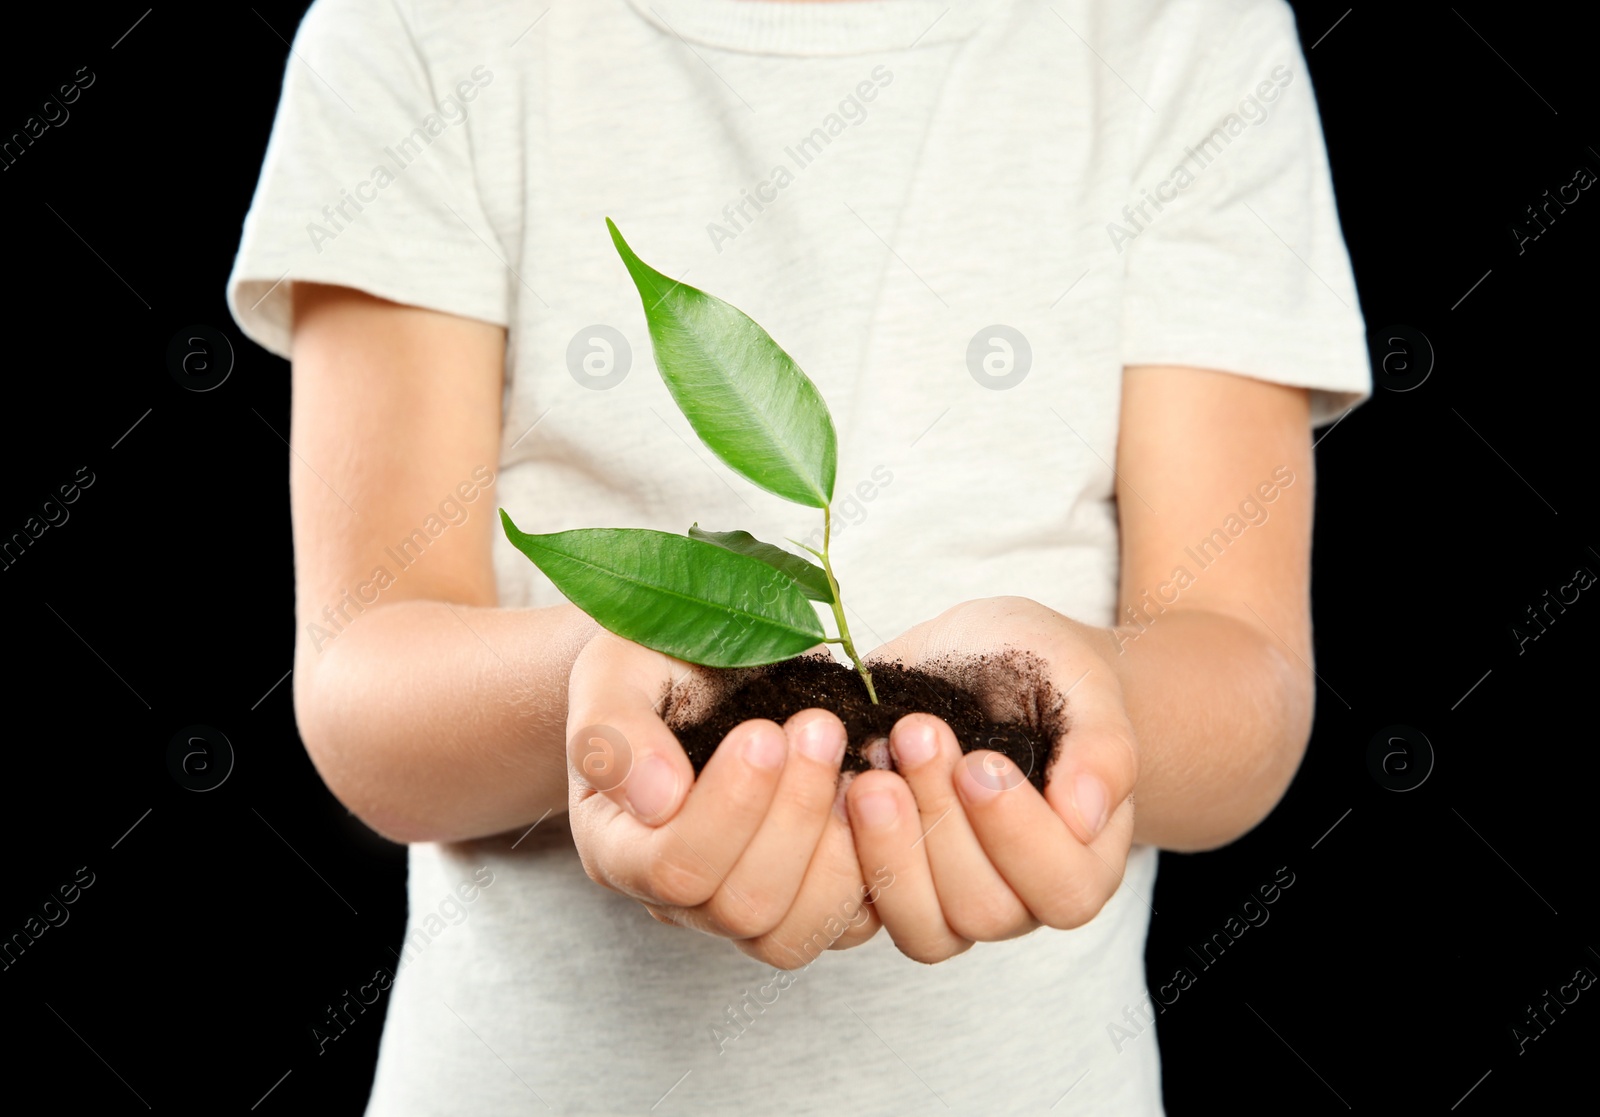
(1234, 256)
(368, 180)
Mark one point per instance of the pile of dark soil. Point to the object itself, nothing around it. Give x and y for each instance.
(1003, 702)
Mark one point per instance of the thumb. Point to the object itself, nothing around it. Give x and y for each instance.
(617, 744)
(1097, 760)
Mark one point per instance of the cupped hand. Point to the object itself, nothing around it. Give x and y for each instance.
(979, 855)
(753, 850)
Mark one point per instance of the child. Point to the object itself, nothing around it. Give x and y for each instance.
(1071, 278)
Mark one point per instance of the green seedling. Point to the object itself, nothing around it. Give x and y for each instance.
(717, 599)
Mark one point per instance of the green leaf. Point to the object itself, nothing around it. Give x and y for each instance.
(743, 395)
(683, 597)
(811, 578)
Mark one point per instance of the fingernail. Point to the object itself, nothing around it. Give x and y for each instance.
(651, 788)
(913, 745)
(822, 739)
(1089, 797)
(766, 748)
(983, 776)
(877, 810)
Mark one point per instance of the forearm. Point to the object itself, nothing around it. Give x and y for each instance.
(440, 722)
(1221, 711)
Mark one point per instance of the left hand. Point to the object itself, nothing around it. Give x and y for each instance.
(978, 855)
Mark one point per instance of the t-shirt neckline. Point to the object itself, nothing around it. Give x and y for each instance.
(816, 27)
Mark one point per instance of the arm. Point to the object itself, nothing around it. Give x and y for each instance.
(1218, 686)
(431, 713)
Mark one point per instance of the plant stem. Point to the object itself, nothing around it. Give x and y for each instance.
(838, 608)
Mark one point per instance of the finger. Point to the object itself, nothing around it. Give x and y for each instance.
(1097, 763)
(617, 744)
(977, 902)
(1063, 882)
(888, 833)
(687, 858)
(765, 880)
(830, 912)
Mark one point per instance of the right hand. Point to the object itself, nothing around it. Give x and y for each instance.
(754, 850)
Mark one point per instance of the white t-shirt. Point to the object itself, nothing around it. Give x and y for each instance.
(962, 220)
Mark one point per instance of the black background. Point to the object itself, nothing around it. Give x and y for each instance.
(1421, 924)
